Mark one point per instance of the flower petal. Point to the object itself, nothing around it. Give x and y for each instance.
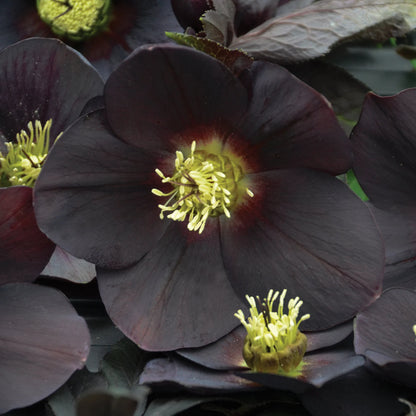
(171, 372)
(156, 96)
(385, 150)
(292, 125)
(356, 393)
(384, 334)
(64, 266)
(96, 207)
(399, 233)
(42, 342)
(177, 296)
(307, 232)
(227, 352)
(319, 369)
(24, 249)
(43, 79)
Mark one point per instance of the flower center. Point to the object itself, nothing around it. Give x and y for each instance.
(274, 343)
(24, 158)
(204, 185)
(76, 20)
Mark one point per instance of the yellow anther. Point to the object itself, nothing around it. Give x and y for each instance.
(204, 185)
(23, 161)
(273, 342)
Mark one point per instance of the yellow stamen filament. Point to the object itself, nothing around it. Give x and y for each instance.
(204, 185)
(272, 333)
(23, 161)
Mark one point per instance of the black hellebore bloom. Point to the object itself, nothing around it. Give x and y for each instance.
(220, 366)
(105, 31)
(195, 187)
(385, 165)
(44, 86)
(43, 341)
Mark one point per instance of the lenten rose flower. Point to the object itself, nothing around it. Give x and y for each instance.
(194, 187)
(44, 86)
(104, 31)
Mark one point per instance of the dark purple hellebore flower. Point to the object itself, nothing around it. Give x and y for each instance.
(385, 165)
(385, 333)
(265, 133)
(220, 366)
(43, 341)
(128, 24)
(40, 80)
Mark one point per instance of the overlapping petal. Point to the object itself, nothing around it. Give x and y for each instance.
(220, 365)
(165, 96)
(291, 125)
(99, 208)
(178, 295)
(43, 79)
(308, 233)
(385, 149)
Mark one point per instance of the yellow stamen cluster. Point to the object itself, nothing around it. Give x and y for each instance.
(414, 329)
(76, 20)
(274, 342)
(204, 185)
(23, 161)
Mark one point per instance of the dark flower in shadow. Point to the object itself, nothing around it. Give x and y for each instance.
(195, 187)
(385, 165)
(45, 85)
(220, 366)
(125, 25)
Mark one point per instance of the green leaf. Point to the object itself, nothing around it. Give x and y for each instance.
(353, 184)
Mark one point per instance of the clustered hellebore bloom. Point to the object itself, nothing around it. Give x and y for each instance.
(385, 154)
(105, 31)
(187, 195)
(44, 87)
(220, 366)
